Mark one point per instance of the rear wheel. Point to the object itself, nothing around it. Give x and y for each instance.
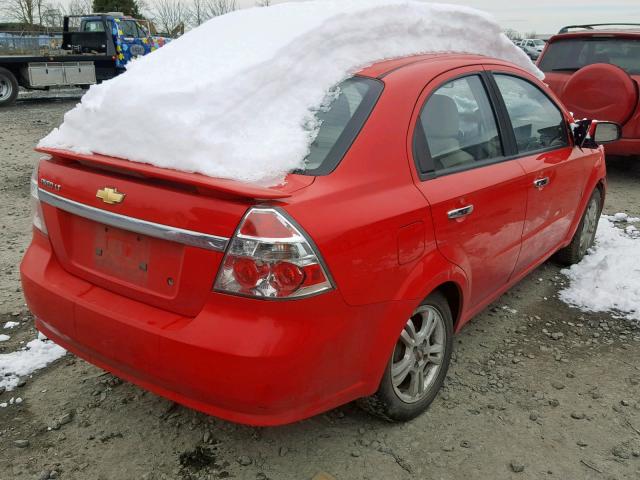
(418, 365)
(585, 236)
(8, 87)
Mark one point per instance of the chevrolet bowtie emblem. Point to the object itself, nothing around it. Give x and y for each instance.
(110, 195)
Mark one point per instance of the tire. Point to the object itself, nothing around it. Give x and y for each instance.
(8, 88)
(585, 235)
(397, 399)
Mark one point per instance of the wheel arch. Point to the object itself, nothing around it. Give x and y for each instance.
(597, 180)
(453, 294)
(450, 281)
(603, 190)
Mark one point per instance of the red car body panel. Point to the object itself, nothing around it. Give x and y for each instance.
(382, 231)
(606, 96)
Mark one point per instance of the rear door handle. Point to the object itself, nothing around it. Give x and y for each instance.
(541, 182)
(460, 212)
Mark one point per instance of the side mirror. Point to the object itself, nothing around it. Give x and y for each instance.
(606, 132)
(591, 133)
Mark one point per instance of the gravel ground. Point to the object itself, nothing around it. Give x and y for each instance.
(537, 390)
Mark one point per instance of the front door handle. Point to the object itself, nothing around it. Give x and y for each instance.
(541, 182)
(460, 212)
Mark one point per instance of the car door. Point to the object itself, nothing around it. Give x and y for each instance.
(555, 171)
(133, 39)
(476, 195)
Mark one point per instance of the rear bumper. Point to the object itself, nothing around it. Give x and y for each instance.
(248, 361)
(624, 147)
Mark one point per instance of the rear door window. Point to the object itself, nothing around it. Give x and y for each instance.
(573, 54)
(340, 123)
(537, 122)
(459, 125)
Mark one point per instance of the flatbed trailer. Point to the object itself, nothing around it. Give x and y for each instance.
(96, 51)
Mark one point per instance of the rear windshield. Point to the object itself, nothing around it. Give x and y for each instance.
(340, 123)
(573, 54)
(93, 26)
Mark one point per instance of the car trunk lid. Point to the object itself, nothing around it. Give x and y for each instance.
(152, 234)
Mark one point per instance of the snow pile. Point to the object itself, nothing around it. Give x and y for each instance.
(37, 354)
(4, 338)
(623, 217)
(235, 97)
(12, 401)
(11, 324)
(608, 279)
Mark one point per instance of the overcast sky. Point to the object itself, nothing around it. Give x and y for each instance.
(546, 16)
(541, 16)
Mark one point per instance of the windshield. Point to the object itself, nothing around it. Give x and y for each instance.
(573, 54)
(128, 28)
(340, 123)
(538, 42)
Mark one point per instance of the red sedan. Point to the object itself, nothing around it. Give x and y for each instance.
(435, 184)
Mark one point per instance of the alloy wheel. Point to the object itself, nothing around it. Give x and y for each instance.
(418, 355)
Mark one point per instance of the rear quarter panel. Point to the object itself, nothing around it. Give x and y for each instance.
(356, 213)
(368, 215)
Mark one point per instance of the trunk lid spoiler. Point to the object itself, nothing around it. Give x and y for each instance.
(227, 187)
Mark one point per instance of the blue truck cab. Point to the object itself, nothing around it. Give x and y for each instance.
(131, 38)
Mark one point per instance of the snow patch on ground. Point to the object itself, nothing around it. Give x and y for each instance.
(608, 279)
(234, 98)
(4, 338)
(11, 324)
(623, 217)
(37, 354)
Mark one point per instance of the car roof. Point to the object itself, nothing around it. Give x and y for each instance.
(386, 67)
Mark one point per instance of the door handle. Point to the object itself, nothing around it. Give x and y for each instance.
(460, 212)
(541, 182)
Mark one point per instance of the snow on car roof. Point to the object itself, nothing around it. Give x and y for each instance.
(235, 97)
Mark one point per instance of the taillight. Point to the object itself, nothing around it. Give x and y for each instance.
(36, 207)
(270, 257)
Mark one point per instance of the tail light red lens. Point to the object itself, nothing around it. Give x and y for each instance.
(246, 272)
(270, 257)
(287, 277)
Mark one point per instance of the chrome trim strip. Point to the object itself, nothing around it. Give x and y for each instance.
(157, 230)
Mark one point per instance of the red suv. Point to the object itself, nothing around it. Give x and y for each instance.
(435, 183)
(595, 70)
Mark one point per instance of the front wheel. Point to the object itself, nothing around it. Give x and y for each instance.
(8, 87)
(585, 236)
(418, 365)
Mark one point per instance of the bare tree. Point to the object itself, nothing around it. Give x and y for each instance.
(215, 8)
(512, 34)
(198, 13)
(263, 3)
(51, 17)
(24, 11)
(169, 14)
(77, 7)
